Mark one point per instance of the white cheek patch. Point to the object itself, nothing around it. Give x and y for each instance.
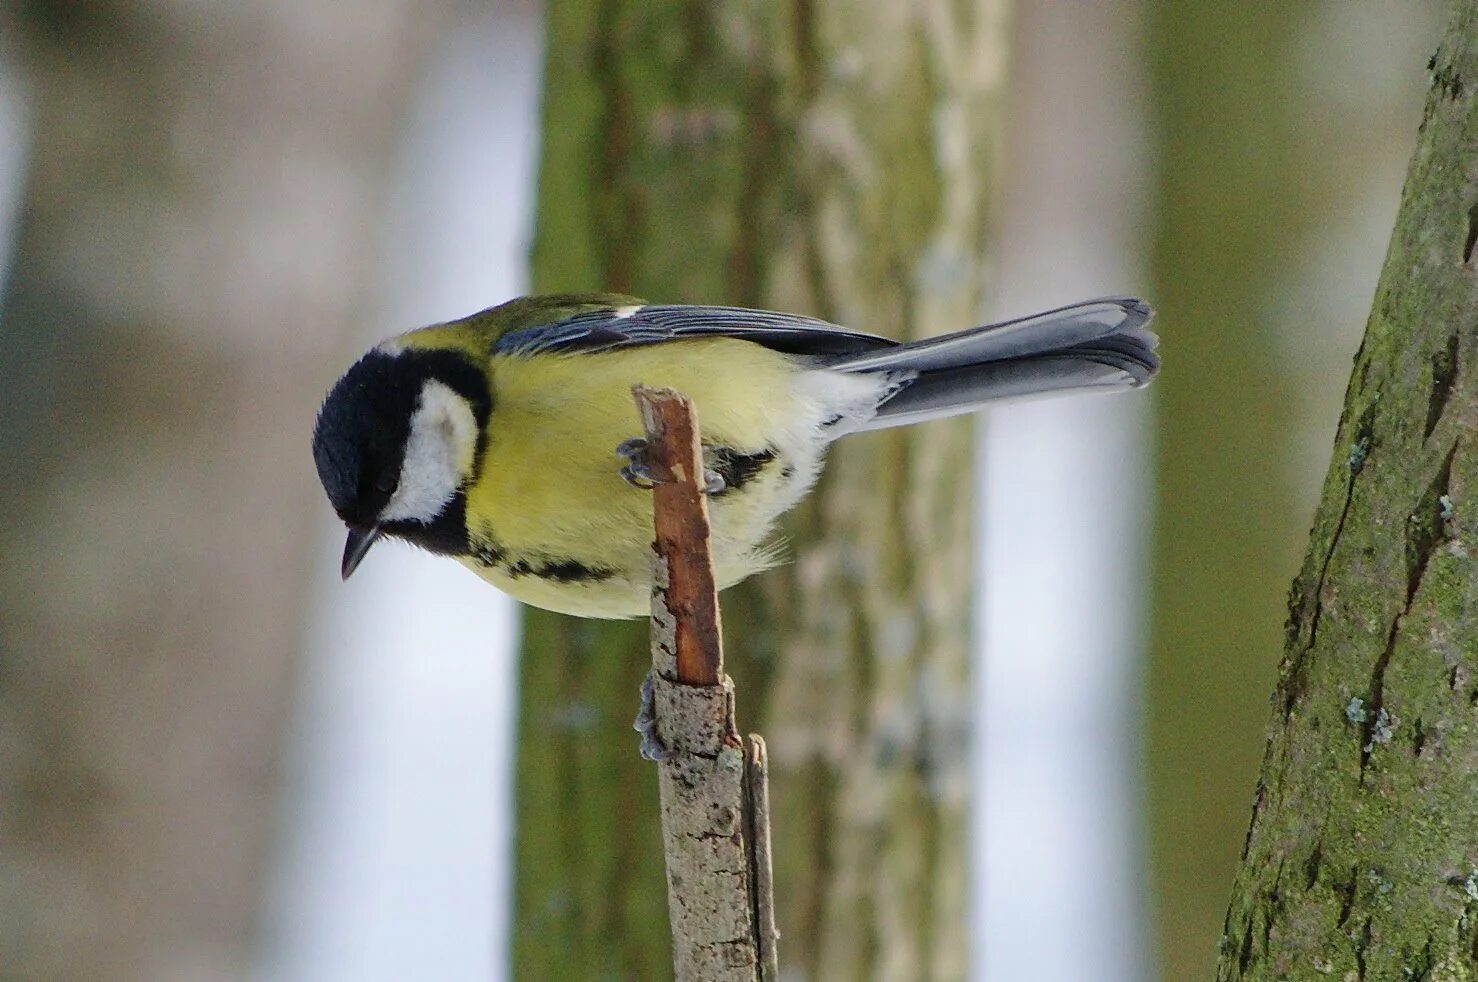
(438, 456)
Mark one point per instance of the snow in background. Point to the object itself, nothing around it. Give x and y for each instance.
(398, 854)
(1064, 491)
(15, 130)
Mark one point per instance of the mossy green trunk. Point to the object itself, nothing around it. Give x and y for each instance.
(827, 158)
(1362, 858)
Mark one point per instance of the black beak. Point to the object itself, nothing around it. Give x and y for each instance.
(355, 547)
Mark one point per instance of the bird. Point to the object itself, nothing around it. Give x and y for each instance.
(506, 440)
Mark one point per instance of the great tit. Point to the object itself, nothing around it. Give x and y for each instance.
(507, 440)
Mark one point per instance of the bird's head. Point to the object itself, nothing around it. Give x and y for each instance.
(396, 443)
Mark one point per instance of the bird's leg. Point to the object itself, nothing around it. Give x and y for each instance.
(637, 471)
(652, 747)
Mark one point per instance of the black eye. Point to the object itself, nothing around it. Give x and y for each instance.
(377, 481)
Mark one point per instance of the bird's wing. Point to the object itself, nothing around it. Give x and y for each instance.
(594, 331)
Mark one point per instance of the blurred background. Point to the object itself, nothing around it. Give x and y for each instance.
(218, 762)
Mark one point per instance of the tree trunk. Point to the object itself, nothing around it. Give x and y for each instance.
(1362, 858)
(203, 186)
(826, 158)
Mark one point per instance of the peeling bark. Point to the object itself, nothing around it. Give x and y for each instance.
(1361, 861)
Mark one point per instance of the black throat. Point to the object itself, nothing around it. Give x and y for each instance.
(445, 535)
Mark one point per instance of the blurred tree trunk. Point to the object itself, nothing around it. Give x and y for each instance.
(204, 185)
(1362, 857)
(1224, 541)
(834, 159)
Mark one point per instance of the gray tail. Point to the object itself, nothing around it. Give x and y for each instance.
(1099, 345)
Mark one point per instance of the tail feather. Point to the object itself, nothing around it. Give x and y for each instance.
(1101, 345)
(1081, 323)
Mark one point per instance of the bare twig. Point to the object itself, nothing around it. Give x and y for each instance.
(715, 800)
(757, 831)
(681, 521)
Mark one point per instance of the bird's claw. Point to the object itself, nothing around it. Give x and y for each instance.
(638, 477)
(633, 448)
(638, 473)
(652, 747)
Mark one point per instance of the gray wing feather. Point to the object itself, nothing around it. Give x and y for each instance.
(607, 330)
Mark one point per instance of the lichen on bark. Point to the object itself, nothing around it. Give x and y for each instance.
(1361, 861)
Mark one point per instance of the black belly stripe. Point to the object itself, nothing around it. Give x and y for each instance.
(738, 469)
(545, 567)
(561, 571)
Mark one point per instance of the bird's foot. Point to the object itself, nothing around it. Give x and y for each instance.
(652, 747)
(638, 472)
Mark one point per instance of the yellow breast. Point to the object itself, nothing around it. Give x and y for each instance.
(553, 522)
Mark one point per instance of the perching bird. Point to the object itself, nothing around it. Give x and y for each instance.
(499, 439)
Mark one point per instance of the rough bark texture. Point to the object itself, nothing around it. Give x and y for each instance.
(702, 793)
(827, 158)
(1362, 858)
(203, 183)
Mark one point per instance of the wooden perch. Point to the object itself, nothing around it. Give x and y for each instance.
(714, 790)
